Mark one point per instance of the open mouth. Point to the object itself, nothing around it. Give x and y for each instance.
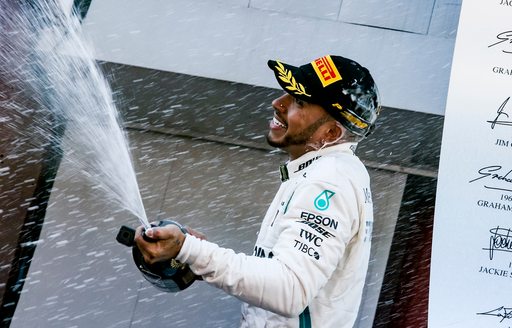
(279, 123)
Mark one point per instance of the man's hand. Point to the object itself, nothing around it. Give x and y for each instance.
(168, 242)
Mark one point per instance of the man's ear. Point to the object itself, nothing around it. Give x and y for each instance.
(334, 131)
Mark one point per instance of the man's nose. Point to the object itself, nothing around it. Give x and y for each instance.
(280, 103)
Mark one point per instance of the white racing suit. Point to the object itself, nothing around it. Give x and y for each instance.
(311, 256)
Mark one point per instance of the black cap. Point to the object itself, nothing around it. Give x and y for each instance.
(344, 88)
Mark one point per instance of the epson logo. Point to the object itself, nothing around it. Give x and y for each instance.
(318, 219)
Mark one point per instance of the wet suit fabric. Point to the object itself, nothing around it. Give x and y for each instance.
(311, 256)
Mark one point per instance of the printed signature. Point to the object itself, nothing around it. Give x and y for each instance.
(493, 172)
(503, 37)
(501, 312)
(500, 240)
(501, 115)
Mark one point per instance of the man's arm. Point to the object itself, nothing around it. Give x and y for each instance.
(304, 256)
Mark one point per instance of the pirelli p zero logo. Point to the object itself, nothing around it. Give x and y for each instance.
(326, 71)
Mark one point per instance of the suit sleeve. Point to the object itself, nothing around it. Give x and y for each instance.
(318, 222)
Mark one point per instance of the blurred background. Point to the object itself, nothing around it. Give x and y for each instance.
(193, 90)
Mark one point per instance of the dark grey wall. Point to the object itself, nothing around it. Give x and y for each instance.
(404, 141)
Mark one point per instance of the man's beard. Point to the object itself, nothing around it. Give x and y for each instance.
(300, 138)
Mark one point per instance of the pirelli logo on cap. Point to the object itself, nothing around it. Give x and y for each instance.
(326, 71)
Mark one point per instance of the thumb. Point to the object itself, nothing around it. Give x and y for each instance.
(150, 233)
(166, 232)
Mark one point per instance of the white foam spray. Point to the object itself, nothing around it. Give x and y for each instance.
(45, 54)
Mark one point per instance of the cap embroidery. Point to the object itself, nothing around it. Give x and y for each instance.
(326, 70)
(286, 76)
(337, 106)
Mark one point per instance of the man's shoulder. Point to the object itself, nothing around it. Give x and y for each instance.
(336, 167)
(338, 160)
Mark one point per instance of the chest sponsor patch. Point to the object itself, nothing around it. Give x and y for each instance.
(322, 200)
(306, 249)
(304, 165)
(319, 219)
(318, 229)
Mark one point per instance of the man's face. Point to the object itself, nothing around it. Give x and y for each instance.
(295, 125)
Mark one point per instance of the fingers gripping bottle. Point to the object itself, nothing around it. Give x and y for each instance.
(169, 276)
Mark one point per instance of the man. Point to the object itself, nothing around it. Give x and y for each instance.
(311, 255)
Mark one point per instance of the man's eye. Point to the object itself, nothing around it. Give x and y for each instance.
(299, 102)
